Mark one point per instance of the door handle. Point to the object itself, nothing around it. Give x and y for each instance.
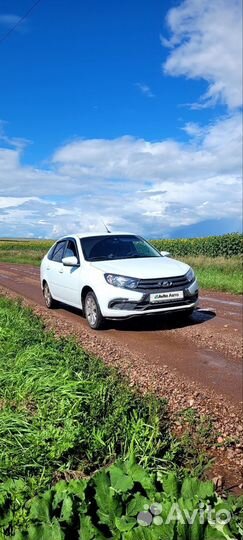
(60, 271)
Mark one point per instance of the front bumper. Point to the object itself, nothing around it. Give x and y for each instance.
(122, 307)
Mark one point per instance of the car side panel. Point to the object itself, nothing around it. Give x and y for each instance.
(70, 285)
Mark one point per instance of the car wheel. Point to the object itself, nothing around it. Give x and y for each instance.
(92, 311)
(49, 301)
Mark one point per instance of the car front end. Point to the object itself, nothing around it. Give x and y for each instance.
(122, 296)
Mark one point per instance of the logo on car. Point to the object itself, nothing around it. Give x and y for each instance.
(166, 283)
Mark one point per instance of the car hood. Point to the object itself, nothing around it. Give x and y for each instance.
(144, 268)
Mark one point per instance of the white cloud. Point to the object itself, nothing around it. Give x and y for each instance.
(145, 89)
(129, 183)
(11, 202)
(137, 160)
(205, 43)
(16, 142)
(16, 178)
(193, 129)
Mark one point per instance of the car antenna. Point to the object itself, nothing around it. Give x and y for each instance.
(107, 230)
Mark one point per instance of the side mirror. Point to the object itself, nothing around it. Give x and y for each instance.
(165, 253)
(70, 261)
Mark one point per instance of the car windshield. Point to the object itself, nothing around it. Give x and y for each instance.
(111, 247)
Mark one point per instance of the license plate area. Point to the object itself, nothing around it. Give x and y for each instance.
(166, 296)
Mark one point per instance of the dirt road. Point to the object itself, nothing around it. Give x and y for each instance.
(207, 350)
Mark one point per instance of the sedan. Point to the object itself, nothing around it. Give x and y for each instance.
(116, 276)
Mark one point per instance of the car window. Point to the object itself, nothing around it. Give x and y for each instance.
(142, 248)
(112, 247)
(50, 253)
(71, 249)
(57, 253)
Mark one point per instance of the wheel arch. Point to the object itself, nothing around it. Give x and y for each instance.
(43, 282)
(84, 293)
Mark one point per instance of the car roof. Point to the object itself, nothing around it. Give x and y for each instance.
(105, 233)
(89, 234)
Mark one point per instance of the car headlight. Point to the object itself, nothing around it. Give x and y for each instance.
(121, 281)
(190, 275)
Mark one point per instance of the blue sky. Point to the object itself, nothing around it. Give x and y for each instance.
(128, 112)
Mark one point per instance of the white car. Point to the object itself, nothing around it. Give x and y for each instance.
(116, 275)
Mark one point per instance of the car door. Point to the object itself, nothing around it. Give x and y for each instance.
(54, 270)
(71, 275)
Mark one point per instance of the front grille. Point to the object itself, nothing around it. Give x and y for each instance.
(157, 284)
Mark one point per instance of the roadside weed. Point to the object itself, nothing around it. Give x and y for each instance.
(62, 408)
(84, 457)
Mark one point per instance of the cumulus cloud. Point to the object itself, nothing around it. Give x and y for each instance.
(205, 43)
(129, 183)
(12, 202)
(133, 160)
(193, 129)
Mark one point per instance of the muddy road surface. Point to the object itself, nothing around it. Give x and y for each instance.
(205, 350)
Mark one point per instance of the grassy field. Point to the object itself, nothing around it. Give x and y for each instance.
(24, 251)
(63, 414)
(218, 273)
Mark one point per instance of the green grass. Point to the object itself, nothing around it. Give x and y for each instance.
(218, 274)
(22, 257)
(61, 409)
(24, 251)
(63, 413)
(25, 245)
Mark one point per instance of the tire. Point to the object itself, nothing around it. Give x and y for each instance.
(49, 301)
(92, 311)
